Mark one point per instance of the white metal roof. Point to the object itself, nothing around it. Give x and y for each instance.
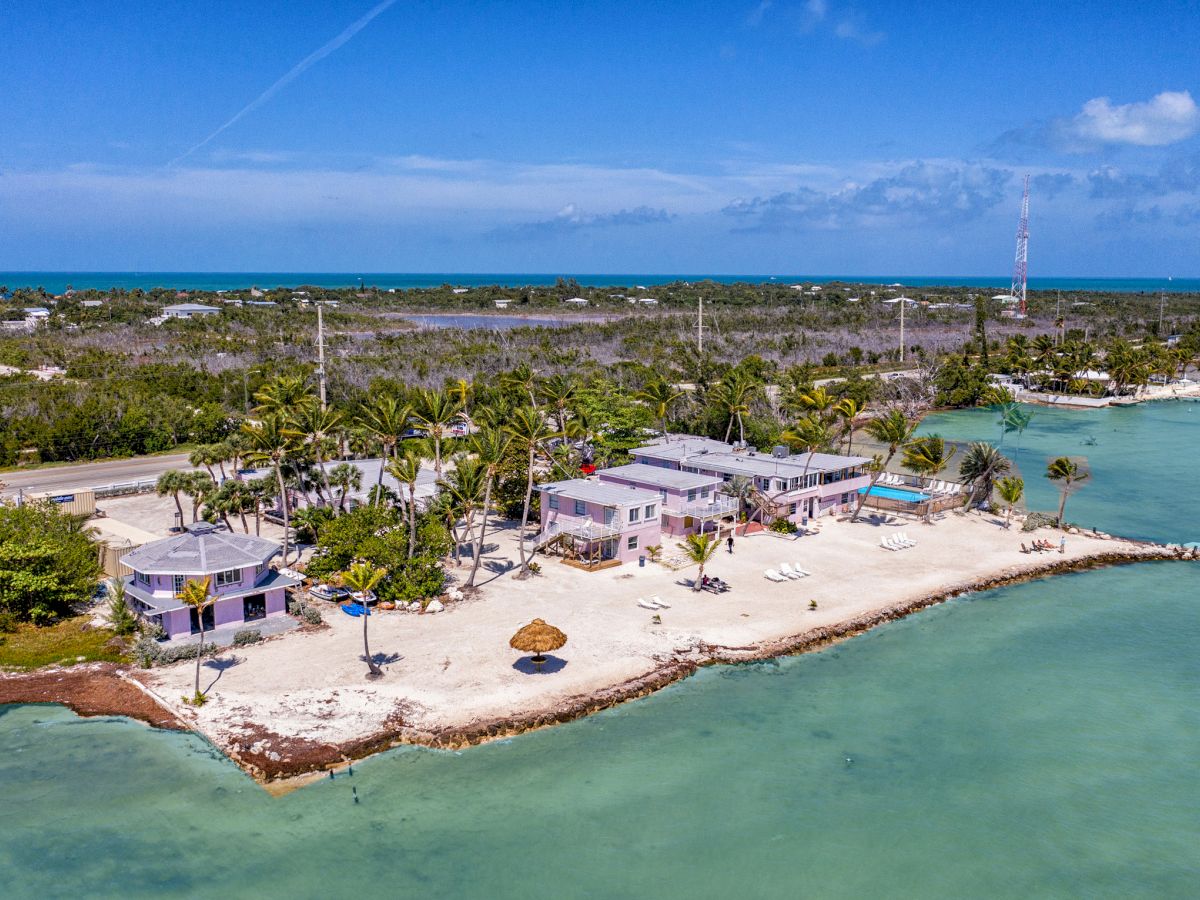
(659, 476)
(604, 493)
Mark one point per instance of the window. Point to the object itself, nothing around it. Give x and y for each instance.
(259, 569)
(141, 578)
(791, 509)
(228, 577)
(649, 513)
(580, 508)
(633, 514)
(177, 582)
(691, 495)
(705, 492)
(553, 501)
(610, 515)
(632, 543)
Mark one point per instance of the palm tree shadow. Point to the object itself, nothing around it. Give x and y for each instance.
(220, 665)
(382, 659)
(497, 567)
(552, 664)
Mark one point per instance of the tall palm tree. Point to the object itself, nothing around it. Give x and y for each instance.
(1067, 472)
(172, 482)
(849, 410)
(362, 578)
(660, 395)
(464, 487)
(733, 395)
(1011, 490)
(741, 488)
(809, 435)
(528, 430)
(283, 395)
(461, 390)
(490, 447)
(386, 419)
(268, 443)
(315, 428)
(557, 392)
(209, 455)
(981, 466)
(406, 468)
(521, 379)
(818, 401)
(699, 548)
(347, 478)
(435, 411)
(199, 486)
(928, 456)
(195, 595)
(893, 429)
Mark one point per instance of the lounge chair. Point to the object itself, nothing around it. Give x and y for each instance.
(645, 604)
(804, 572)
(904, 540)
(657, 601)
(786, 569)
(772, 575)
(886, 544)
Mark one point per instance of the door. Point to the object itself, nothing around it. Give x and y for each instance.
(254, 607)
(208, 619)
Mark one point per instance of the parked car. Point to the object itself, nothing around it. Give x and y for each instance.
(328, 592)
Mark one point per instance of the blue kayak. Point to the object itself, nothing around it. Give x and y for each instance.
(355, 609)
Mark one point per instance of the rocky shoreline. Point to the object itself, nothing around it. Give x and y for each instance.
(284, 763)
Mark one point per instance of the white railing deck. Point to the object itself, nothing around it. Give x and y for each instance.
(705, 509)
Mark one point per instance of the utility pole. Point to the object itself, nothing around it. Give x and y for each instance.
(321, 353)
(1162, 302)
(903, 303)
(700, 328)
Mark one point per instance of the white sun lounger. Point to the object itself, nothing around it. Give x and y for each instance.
(804, 572)
(657, 601)
(886, 544)
(645, 604)
(772, 575)
(785, 569)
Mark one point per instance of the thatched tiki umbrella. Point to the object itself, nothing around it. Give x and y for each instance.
(537, 638)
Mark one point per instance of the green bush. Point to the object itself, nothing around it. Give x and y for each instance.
(48, 563)
(247, 636)
(783, 526)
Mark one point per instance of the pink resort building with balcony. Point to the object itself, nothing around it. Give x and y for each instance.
(796, 486)
(246, 588)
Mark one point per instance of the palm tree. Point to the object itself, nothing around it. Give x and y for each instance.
(435, 411)
(528, 430)
(742, 488)
(199, 487)
(386, 419)
(849, 410)
(406, 469)
(269, 443)
(362, 578)
(522, 379)
(928, 456)
(699, 548)
(463, 486)
(893, 429)
(283, 395)
(172, 482)
(233, 496)
(660, 396)
(209, 455)
(557, 392)
(314, 428)
(1064, 470)
(818, 401)
(461, 390)
(981, 466)
(490, 447)
(1011, 490)
(347, 478)
(809, 435)
(733, 395)
(195, 594)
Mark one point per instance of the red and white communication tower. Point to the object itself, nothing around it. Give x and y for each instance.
(1022, 260)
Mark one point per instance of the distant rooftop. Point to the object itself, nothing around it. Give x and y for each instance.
(717, 456)
(604, 493)
(659, 476)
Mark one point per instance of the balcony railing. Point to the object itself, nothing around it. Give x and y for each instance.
(587, 530)
(714, 507)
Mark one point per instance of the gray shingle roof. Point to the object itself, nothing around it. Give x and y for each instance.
(659, 476)
(599, 492)
(200, 551)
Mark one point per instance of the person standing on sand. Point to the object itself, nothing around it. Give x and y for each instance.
(1062, 544)
(729, 543)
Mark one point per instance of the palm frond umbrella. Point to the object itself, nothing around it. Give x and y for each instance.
(537, 638)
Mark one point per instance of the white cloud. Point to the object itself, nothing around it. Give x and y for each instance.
(852, 29)
(1165, 119)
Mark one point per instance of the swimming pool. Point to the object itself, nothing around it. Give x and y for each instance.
(891, 493)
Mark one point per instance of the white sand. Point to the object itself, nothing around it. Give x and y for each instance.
(455, 668)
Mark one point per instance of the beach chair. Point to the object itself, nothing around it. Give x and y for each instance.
(786, 569)
(645, 604)
(772, 575)
(886, 544)
(903, 540)
(657, 601)
(804, 573)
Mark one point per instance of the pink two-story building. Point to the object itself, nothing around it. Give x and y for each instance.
(246, 588)
(690, 502)
(592, 521)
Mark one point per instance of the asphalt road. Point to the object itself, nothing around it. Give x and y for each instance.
(96, 474)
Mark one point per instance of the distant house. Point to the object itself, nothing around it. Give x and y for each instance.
(578, 301)
(188, 310)
(37, 312)
(247, 590)
(690, 501)
(502, 302)
(91, 304)
(647, 301)
(461, 290)
(261, 303)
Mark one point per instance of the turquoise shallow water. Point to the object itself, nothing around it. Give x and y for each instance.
(1038, 740)
(1144, 463)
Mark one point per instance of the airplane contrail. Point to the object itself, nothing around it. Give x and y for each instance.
(292, 74)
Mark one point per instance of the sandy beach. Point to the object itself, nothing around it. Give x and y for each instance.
(301, 702)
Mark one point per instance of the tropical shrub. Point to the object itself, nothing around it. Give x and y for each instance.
(247, 636)
(783, 526)
(48, 563)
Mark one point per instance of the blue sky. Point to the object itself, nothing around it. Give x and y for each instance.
(760, 137)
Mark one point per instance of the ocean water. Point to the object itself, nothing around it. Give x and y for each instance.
(1143, 480)
(1038, 740)
(56, 282)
